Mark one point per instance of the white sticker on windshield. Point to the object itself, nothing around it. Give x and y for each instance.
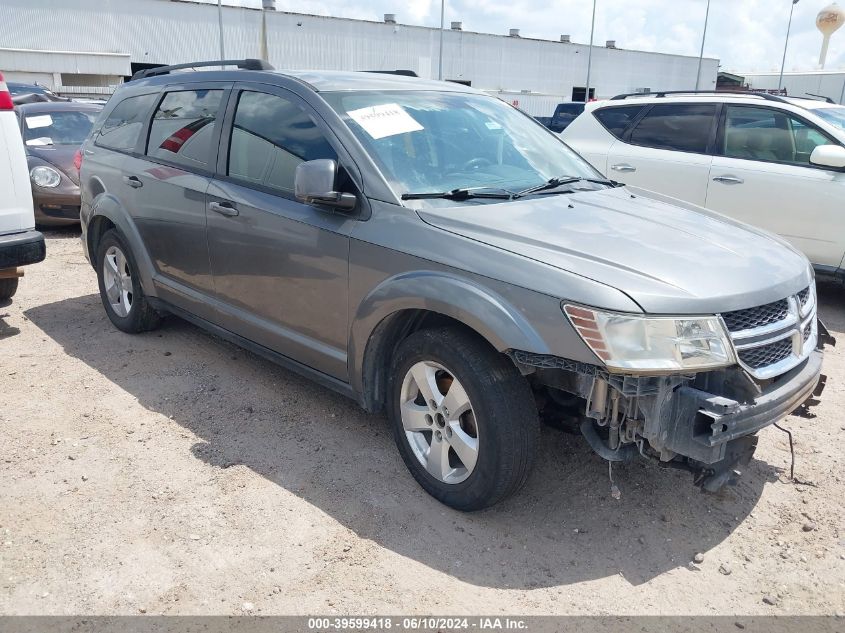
(385, 120)
(42, 120)
(492, 125)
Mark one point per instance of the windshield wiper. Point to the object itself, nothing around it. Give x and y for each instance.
(463, 194)
(554, 183)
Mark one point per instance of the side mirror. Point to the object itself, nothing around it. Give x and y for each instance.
(314, 184)
(832, 156)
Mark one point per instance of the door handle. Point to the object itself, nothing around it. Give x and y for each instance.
(223, 208)
(729, 180)
(623, 167)
(133, 181)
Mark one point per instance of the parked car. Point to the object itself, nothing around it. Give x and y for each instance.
(53, 133)
(32, 93)
(20, 243)
(565, 113)
(17, 89)
(771, 161)
(434, 253)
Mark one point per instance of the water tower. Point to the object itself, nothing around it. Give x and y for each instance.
(828, 21)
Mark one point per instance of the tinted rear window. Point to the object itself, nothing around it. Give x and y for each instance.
(617, 119)
(123, 124)
(680, 127)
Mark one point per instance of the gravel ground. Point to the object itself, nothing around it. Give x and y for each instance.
(175, 473)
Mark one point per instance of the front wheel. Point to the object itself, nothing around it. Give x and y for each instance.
(463, 417)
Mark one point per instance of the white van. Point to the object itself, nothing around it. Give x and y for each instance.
(20, 243)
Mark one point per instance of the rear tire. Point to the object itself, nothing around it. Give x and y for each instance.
(8, 288)
(120, 286)
(479, 452)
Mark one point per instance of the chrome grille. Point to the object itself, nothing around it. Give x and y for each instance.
(739, 320)
(771, 339)
(758, 357)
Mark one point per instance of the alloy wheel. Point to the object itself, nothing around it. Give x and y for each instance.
(117, 281)
(439, 422)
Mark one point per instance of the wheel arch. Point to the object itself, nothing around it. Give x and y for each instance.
(107, 213)
(409, 302)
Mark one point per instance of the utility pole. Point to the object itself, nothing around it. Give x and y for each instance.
(220, 24)
(701, 53)
(442, 25)
(786, 43)
(590, 54)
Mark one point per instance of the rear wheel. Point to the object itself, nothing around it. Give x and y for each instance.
(120, 288)
(463, 417)
(8, 288)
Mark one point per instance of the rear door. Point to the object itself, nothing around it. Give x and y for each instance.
(170, 180)
(280, 266)
(762, 175)
(667, 150)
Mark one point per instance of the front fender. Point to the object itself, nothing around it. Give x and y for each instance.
(110, 208)
(476, 306)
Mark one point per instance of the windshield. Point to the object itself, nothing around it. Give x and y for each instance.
(441, 141)
(834, 116)
(58, 128)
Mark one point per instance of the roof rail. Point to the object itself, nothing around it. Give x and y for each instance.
(729, 93)
(822, 97)
(404, 73)
(245, 64)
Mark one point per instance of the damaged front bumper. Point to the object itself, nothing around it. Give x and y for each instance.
(705, 423)
(717, 420)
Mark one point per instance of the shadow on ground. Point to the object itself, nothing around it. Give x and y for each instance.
(562, 528)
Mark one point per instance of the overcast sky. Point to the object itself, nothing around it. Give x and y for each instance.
(743, 34)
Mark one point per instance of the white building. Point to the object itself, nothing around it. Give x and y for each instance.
(827, 83)
(85, 46)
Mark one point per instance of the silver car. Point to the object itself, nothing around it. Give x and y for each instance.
(437, 255)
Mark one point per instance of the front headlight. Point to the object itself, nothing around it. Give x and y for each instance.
(634, 343)
(45, 176)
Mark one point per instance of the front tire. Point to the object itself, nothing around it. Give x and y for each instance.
(463, 418)
(120, 286)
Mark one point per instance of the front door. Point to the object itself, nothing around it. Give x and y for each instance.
(280, 267)
(762, 175)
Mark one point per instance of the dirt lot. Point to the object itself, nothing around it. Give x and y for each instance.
(175, 473)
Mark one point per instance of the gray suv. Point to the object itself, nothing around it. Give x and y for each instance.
(439, 256)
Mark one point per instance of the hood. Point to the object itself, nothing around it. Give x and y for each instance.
(59, 156)
(666, 255)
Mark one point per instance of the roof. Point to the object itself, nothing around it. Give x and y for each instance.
(336, 80)
(44, 107)
(317, 80)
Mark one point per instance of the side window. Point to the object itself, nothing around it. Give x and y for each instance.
(617, 119)
(766, 134)
(123, 124)
(270, 137)
(683, 127)
(183, 127)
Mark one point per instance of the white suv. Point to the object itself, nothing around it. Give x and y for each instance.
(775, 162)
(20, 243)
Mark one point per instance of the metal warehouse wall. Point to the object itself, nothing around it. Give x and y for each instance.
(160, 31)
(828, 83)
